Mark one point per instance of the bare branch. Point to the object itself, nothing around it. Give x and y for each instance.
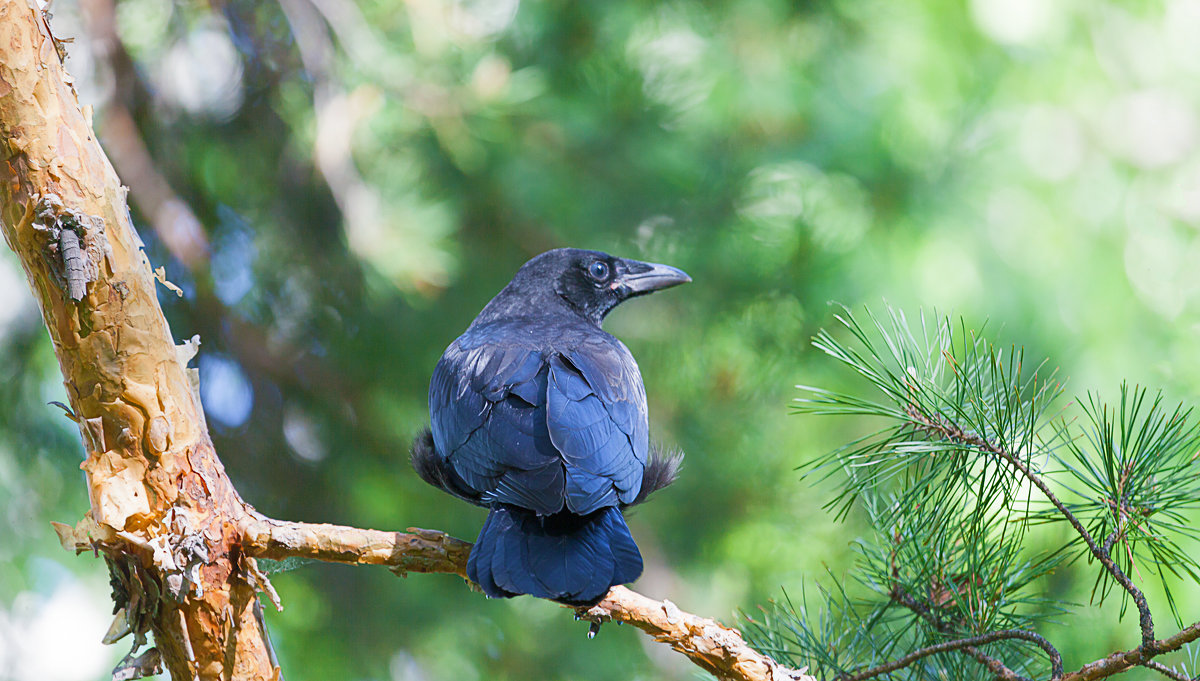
(154, 481)
(709, 644)
(706, 642)
(415, 551)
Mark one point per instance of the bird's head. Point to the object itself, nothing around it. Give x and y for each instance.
(593, 283)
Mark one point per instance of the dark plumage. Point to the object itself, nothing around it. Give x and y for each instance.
(540, 416)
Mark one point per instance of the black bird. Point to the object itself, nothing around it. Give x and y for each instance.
(540, 416)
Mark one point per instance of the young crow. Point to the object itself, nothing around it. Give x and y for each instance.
(540, 416)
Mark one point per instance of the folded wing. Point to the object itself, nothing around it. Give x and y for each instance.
(541, 429)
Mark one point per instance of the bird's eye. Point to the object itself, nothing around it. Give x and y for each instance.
(598, 270)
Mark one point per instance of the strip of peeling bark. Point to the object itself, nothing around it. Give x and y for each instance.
(163, 511)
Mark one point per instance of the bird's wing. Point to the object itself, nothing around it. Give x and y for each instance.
(596, 411)
(487, 404)
(505, 418)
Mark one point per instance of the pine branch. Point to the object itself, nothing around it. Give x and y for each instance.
(998, 669)
(944, 484)
(952, 432)
(995, 666)
(1166, 671)
(1125, 660)
(1137, 465)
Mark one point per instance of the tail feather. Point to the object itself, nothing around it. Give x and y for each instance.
(564, 557)
(479, 564)
(505, 556)
(662, 467)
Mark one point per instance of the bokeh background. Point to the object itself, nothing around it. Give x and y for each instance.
(338, 186)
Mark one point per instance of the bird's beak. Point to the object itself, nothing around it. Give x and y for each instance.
(645, 277)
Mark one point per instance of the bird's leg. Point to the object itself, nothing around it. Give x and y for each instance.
(597, 615)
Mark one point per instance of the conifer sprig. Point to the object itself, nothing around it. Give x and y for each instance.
(971, 449)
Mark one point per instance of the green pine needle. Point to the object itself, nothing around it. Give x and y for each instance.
(945, 482)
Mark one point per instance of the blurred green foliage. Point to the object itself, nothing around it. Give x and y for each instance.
(369, 173)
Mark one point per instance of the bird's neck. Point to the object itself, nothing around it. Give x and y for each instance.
(516, 302)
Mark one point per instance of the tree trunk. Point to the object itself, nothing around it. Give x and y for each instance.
(162, 508)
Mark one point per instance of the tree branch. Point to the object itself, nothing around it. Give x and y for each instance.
(156, 487)
(415, 551)
(995, 666)
(714, 647)
(949, 646)
(1166, 671)
(709, 644)
(951, 431)
(1123, 661)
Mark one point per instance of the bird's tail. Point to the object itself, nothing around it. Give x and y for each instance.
(564, 557)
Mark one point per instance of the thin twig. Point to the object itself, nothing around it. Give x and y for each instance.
(262, 625)
(944, 647)
(996, 667)
(1166, 671)
(993, 665)
(1112, 539)
(951, 431)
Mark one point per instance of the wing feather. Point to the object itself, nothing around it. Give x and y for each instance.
(595, 401)
(539, 428)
